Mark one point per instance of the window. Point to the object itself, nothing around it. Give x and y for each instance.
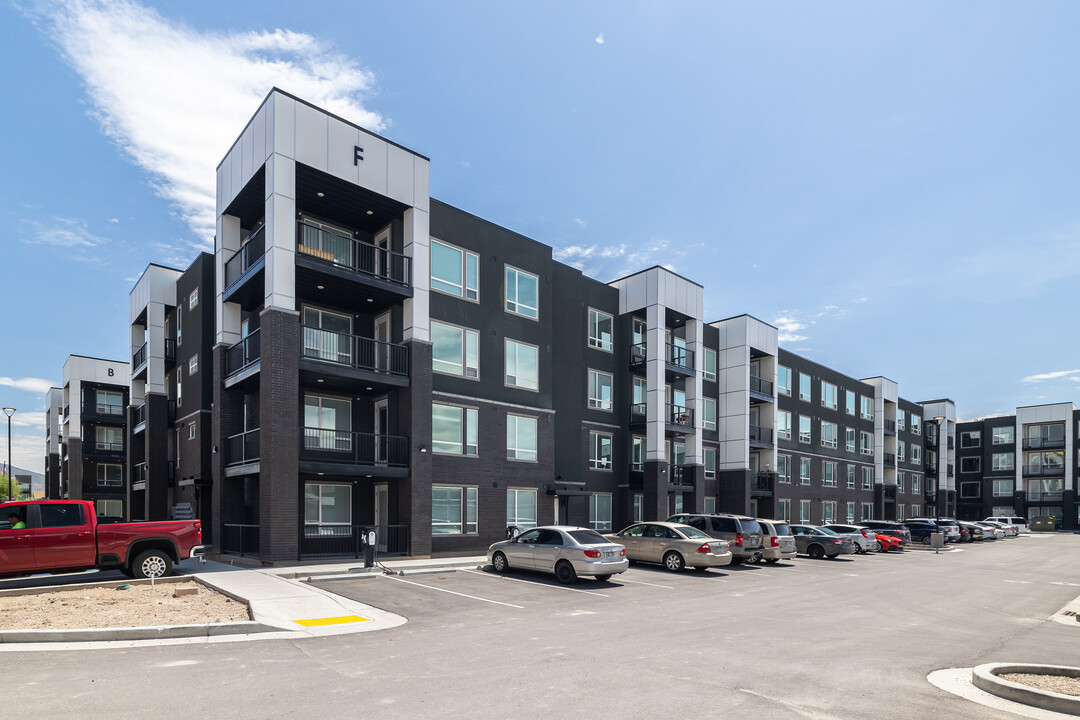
(676, 503)
(849, 439)
(784, 510)
(709, 456)
(804, 471)
(828, 512)
(110, 475)
(970, 464)
(916, 453)
(828, 473)
(783, 424)
(709, 408)
(600, 511)
(599, 451)
(900, 450)
(522, 293)
(109, 438)
(327, 423)
(191, 431)
(850, 514)
(455, 350)
(600, 329)
(710, 505)
(708, 370)
(969, 490)
(828, 434)
(639, 391)
(455, 271)
(901, 416)
(600, 390)
(637, 454)
(1003, 435)
(193, 365)
(1004, 488)
(61, 515)
(327, 504)
(327, 335)
(1002, 461)
(849, 402)
(521, 508)
(783, 380)
(179, 387)
(866, 407)
(867, 511)
(971, 439)
(867, 478)
(804, 428)
(179, 324)
(916, 424)
(804, 387)
(193, 299)
(453, 430)
(114, 508)
(866, 445)
(783, 468)
(828, 395)
(916, 510)
(915, 481)
(639, 507)
(520, 438)
(453, 510)
(1002, 510)
(851, 477)
(899, 482)
(804, 511)
(522, 365)
(110, 403)
(900, 512)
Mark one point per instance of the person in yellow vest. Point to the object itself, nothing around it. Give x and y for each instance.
(16, 523)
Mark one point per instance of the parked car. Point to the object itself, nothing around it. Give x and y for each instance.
(674, 546)
(1008, 529)
(920, 530)
(66, 535)
(993, 531)
(1019, 523)
(888, 527)
(778, 542)
(742, 533)
(568, 552)
(862, 537)
(818, 542)
(976, 532)
(945, 525)
(885, 543)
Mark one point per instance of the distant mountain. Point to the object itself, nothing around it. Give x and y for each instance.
(37, 480)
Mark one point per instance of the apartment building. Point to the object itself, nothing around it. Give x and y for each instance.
(93, 433)
(54, 413)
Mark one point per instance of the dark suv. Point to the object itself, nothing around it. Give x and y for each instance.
(887, 527)
(920, 530)
(742, 533)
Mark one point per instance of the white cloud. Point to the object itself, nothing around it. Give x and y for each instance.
(580, 222)
(600, 39)
(175, 97)
(114, 220)
(862, 299)
(33, 419)
(65, 233)
(1049, 376)
(27, 451)
(29, 384)
(789, 328)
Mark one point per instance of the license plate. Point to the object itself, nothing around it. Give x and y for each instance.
(609, 554)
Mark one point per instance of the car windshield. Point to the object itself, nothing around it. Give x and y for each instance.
(588, 537)
(693, 533)
(751, 526)
(781, 529)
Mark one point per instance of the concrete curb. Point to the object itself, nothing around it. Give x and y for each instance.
(985, 677)
(152, 632)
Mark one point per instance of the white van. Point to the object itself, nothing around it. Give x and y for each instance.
(1018, 522)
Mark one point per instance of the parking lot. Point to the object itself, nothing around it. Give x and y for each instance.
(846, 638)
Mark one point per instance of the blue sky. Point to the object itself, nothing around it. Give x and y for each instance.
(893, 184)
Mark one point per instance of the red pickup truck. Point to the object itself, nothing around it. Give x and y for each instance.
(51, 536)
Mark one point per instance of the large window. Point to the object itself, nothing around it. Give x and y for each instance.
(828, 512)
(520, 438)
(901, 417)
(971, 439)
(828, 395)
(327, 504)
(709, 456)
(709, 411)
(783, 512)
(1004, 488)
(455, 350)
(866, 407)
(599, 450)
(828, 434)
(916, 453)
(804, 387)
(327, 423)
(193, 299)
(970, 464)
(600, 511)
(849, 439)
(915, 482)
(110, 403)
(455, 271)
(828, 473)
(327, 335)
(639, 507)
(783, 468)
(969, 490)
(804, 511)
(783, 380)
(637, 454)
(900, 448)
(804, 471)
(916, 424)
(521, 508)
(783, 424)
(851, 477)
(866, 445)
(110, 474)
(867, 511)
(600, 390)
(1004, 435)
(453, 510)
(639, 392)
(522, 365)
(109, 438)
(708, 369)
(850, 512)
(899, 482)
(600, 329)
(867, 479)
(1002, 461)
(193, 365)
(849, 402)
(522, 293)
(804, 428)
(453, 430)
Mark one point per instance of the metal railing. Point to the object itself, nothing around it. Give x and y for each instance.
(138, 414)
(240, 539)
(354, 448)
(242, 448)
(950, 470)
(107, 409)
(355, 351)
(677, 475)
(1041, 496)
(763, 481)
(638, 413)
(245, 257)
(243, 354)
(1042, 470)
(67, 410)
(637, 353)
(931, 469)
(109, 446)
(1044, 443)
(353, 254)
(139, 358)
(761, 385)
(680, 356)
(890, 459)
(346, 540)
(890, 426)
(761, 434)
(679, 415)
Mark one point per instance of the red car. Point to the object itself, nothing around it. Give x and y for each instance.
(888, 542)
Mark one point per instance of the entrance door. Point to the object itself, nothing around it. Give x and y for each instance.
(382, 254)
(382, 344)
(382, 514)
(382, 421)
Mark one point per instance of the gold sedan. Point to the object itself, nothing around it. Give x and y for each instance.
(673, 545)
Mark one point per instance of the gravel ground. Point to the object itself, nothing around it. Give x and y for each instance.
(1052, 683)
(107, 607)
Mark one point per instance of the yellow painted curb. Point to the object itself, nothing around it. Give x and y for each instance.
(332, 620)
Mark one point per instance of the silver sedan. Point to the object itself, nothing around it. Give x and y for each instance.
(565, 551)
(673, 545)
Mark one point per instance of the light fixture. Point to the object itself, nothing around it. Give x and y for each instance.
(370, 212)
(320, 474)
(320, 380)
(320, 194)
(423, 449)
(320, 287)
(369, 387)
(370, 300)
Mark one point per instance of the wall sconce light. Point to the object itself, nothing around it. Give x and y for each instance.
(423, 448)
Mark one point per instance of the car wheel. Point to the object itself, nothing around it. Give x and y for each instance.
(674, 562)
(603, 578)
(877, 546)
(816, 552)
(926, 540)
(498, 561)
(152, 564)
(772, 561)
(564, 573)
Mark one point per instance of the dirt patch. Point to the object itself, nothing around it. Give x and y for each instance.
(1051, 683)
(107, 607)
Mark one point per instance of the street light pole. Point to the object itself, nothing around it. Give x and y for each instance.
(937, 480)
(9, 412)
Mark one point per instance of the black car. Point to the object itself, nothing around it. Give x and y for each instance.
(920, 531)
(974, 532)
(887, 527)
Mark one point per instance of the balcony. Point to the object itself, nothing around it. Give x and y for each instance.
(1044, 443)
(950, 470)
(138, 418)
(1043, 496)
(244, 259)
(242, 449)
(141, 356)
(889, 426)
(347, 257)
(109, 410)
(680, 419)
(343, 452)
(931, 436)
(761, 484)
(637, 357)
(242, 359)
(638, 413)
(761, 436)
(1044, 471)
(679, 360)
(890, 460)
(138, 360)
(104, 449)
(930, 496)
(679, 478)
(951, 442)
(760, 389)
(360, 357)
(139, 474)
(931, 469)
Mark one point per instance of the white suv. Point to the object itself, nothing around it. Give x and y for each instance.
(1017, 522)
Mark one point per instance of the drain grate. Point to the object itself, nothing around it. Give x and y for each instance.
(1069, 613)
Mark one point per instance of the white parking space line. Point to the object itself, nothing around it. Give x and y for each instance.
(1067, 584)
(1020, 582)
(639, 582)
(530, 582)
(471, 597)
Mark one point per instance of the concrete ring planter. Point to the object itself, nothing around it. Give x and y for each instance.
(985, 677)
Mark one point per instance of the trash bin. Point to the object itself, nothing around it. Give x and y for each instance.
(937, 540)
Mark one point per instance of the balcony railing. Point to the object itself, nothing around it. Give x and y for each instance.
(240, 539)
(107, 409)
(243, 354)
(139, 473)
(1044, 443)
(637, 353)
(951, 442)
(352, 254)
(245, 257)
(680, 356)
(931, 436)
(890, 426)
(890, 460)
(761, 434)
(110, 447)
(1044, 470)
(354, 448)
(950, 470)
(138, 414)
(67, 410)
(679, 415)
(242, 448)
(139, 358)
(677, 475)
(930, 496)
(638, 413)
(761, 385)
(1042, 496)
(763, 481)
(931, 469)
(347, 540)
(355, 351)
